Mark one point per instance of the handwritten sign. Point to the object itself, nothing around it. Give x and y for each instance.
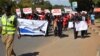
(27, 10)
(56, 11)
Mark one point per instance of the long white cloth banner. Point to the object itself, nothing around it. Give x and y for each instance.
(32, 27)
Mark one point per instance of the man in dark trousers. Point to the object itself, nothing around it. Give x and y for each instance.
(76, 19)
(49, 22)
(59, 26)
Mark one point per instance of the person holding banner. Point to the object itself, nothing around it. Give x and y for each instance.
(42, 16)
(55, 25)
(9, 24)
(85, 25)
(65, 20)
(76, 20)
(47, 16)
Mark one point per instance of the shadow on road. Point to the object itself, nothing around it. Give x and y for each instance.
(84, 37)
(64, 35)
(98, 26)
(30, 54)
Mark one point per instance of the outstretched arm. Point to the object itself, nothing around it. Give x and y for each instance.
(17, 28)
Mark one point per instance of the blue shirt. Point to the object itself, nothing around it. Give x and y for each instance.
(92, 17)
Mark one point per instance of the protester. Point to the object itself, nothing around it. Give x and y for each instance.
(75, 20)
(85, 22)
(42, 16)
(88, 20)
(92, 16)
(30, 16)
(61, 22)
(47, 17)
(55, 25)
(59, 26)
(65, 22)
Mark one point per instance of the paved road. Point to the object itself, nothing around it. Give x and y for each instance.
(54, 46)
(89, 46)
(28, 44)
(1, 48)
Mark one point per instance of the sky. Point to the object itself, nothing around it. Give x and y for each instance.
(60, 2)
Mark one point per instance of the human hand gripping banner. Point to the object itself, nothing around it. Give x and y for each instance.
(32, 27)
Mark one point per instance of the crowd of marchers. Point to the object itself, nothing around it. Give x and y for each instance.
(60, 22)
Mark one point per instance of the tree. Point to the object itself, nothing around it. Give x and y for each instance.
(43, 5)
(86, 5)
(25, 3)
(1, 2)
(6, 5)
(97, 3)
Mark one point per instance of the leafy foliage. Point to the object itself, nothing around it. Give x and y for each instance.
(43, 5)
(59, 6)
(25, 3)
(34, 4)
(96, 2)
(86, 5)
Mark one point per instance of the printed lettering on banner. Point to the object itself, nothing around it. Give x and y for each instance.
(32, 27)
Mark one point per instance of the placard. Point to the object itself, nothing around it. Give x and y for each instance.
(47, 11)
(38, 10)
(27, 10)
(56, 12)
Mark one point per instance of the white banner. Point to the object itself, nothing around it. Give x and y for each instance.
(32, 27)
